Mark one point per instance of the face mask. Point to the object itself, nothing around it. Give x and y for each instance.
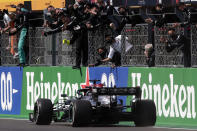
(122, 13)
(102, 54)
(109, 41)
(173, 36)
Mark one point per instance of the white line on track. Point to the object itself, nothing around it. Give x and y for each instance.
(176, 128)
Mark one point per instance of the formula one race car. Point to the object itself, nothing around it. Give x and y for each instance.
(96, 105)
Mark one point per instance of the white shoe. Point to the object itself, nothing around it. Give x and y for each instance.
(37, 60)
(8, 47)
(15, 55)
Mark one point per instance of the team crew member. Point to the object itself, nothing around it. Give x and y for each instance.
(7, 23)
(184, 16)
(6, 20)
(82, 40)
(102, 54)
(178, 41)
(150, 55)
(22, 25)
(115, 49)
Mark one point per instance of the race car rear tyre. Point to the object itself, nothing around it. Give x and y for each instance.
(43, 111)
(145, 113)
(81, 113)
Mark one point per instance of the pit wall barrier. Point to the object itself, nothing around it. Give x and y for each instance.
(172, 89)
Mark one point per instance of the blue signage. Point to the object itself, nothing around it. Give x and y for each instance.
(10, 90)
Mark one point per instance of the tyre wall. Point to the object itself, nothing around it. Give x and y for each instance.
(172, 89)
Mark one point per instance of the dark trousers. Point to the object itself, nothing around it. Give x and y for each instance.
(82, 49)
(75, 36)
(187, 59)
(187, 52)
(151, 34)
(116, 59)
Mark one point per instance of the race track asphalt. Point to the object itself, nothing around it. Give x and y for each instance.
(25, 125)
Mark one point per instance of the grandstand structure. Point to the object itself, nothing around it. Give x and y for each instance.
(34, 5)
(50, 51)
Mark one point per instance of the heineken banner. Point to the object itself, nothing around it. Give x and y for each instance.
(172, 89)
(50, 83)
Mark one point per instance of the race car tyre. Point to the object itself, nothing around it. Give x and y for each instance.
(145, 113)
(81, 113)
(43, 111)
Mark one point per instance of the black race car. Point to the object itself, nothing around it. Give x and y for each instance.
(96, 105)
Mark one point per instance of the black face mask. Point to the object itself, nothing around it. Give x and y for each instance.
(103, 54)
(109, 41)
(173, 36)
(123, 13)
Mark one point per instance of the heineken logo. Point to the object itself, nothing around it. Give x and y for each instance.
(171, 99)
(49, 90)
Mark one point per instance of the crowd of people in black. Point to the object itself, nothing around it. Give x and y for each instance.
(82, 16)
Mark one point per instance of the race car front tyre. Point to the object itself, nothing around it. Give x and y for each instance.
(43, 111)
(145, 113)
(81, 113)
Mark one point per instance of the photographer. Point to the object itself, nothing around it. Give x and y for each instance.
(178, 41)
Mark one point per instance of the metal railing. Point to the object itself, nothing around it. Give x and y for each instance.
(50, 51)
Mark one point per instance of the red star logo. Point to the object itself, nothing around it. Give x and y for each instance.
(87, 82)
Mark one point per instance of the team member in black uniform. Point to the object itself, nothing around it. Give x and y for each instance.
(184, 15)
(178, 41)
(22, 25)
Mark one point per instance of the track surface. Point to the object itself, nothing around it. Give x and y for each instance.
(25, 125)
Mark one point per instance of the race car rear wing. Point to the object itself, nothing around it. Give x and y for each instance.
(122, 91)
